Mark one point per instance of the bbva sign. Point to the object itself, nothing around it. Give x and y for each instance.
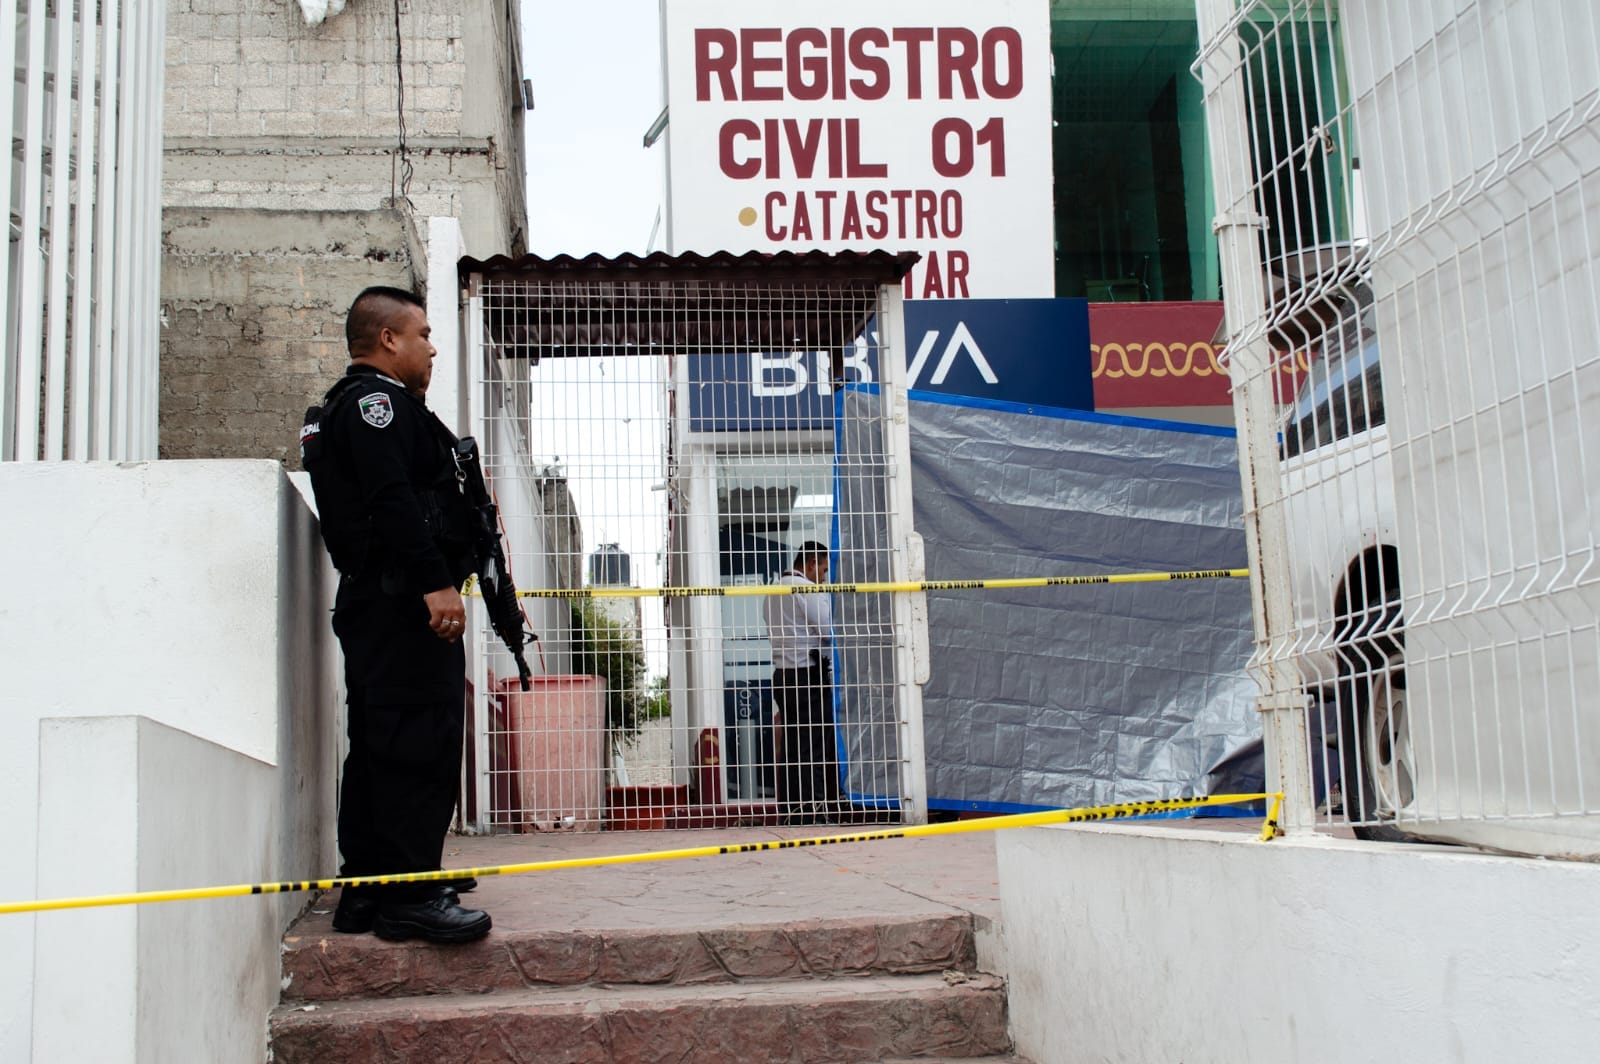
(1033, 352)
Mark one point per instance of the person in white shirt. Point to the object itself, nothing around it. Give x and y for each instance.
(800, 627)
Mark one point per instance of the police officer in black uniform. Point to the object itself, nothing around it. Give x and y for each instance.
(394, 523)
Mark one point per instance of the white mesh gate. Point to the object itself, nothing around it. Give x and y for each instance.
(1419, 181)
(688, 435)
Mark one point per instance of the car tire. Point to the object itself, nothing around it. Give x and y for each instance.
(1376, 758)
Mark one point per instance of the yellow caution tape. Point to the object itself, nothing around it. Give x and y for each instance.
(741, 590)
(1269, 830)
(1016, 820)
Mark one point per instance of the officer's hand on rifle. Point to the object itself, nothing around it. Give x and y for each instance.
(447, 614)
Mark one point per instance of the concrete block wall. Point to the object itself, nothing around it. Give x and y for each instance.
(494, 101)
(253, 304)
(264, 111)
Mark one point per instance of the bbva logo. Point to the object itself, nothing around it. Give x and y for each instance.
(785, 373)
(961, 340)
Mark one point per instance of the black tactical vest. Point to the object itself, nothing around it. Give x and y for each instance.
(347, 527)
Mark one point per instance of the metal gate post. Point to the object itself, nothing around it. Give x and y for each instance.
(706, 766)
(910, 611)
(474, 403)
(1238, 227)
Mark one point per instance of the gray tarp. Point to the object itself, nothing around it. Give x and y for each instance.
(1065, 696)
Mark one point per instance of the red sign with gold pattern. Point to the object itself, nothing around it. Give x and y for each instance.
(1165, 355)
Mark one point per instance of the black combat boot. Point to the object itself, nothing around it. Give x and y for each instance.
(437, 919)
(355, 911)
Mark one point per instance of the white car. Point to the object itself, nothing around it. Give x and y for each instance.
(1340, 510)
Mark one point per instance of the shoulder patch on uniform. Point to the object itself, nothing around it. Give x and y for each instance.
(376, 409)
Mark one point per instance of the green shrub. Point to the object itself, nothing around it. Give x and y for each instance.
(655, 705)
(605, 647)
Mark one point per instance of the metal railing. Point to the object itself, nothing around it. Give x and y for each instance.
(1409, 197)
(79, 365)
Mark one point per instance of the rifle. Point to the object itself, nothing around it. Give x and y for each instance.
(499, 593)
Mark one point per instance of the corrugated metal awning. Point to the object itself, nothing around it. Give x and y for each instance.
(564, 306)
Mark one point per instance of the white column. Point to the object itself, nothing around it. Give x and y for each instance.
(705, 613)
(109, 210)
(451, 326)
(448, 392)
(906, 560)
(147, 338)
(60, 239)
(465, 330)
(8, 380)
(83, 211)
(29, 326)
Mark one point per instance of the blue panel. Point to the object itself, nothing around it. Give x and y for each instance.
(1033, 351)
(758, 391)
(1029, 351)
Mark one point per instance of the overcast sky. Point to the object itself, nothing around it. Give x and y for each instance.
(596, 73)
(593, 186)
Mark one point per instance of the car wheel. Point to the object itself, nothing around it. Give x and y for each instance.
(1376, 756)
(1387, 739)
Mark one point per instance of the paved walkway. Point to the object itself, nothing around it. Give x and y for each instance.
(866, 879)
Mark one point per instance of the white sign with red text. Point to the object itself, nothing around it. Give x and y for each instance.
(860, 124)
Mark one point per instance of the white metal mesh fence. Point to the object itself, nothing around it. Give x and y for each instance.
(684, 437)
(1409, 193)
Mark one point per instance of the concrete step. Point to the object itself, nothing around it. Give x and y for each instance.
(812, 1021)
(320, 964)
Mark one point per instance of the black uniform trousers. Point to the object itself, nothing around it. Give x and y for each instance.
(406, 692)
(810, 751)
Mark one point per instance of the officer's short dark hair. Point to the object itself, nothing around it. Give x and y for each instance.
(372, 311)
(810, 551)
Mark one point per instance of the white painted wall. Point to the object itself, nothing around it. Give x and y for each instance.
(449, 389)
(168, 720)
(1141, 943)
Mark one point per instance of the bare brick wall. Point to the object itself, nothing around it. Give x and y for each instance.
(264, 111)
(253, 306)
